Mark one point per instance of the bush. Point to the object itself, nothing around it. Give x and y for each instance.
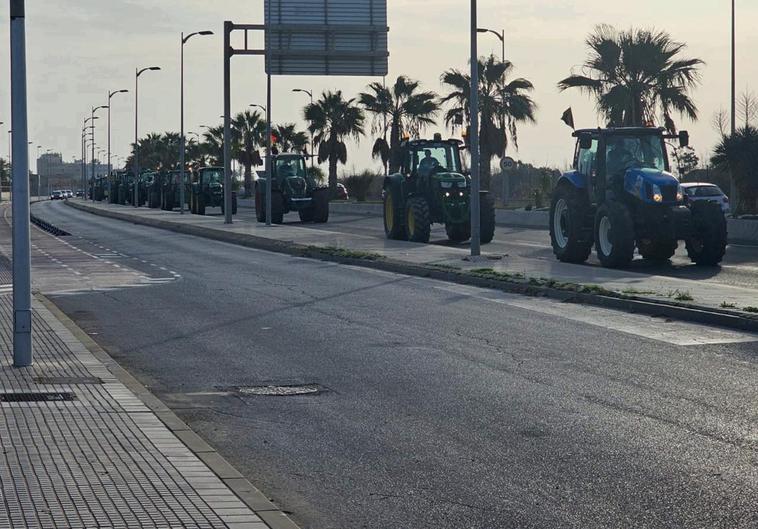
(358, 186)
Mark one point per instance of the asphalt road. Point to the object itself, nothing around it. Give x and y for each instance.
(441, 405)
(739, 268)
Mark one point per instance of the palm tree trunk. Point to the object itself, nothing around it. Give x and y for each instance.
(248, 179)
(395, 161)
(333, 175)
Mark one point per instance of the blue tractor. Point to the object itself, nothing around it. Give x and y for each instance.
(621, 194)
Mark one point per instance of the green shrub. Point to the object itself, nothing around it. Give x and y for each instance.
(359, 185)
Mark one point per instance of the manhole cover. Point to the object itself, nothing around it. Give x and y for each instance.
(272, 390)
(68, 380)
(36, 397)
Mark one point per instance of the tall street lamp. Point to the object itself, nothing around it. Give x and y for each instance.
(310, 94)
(182, 145)
(732, 184)
(474, 137)
(86, 130)
(254, 105)
(499, 35)
(39, 147)
(110, 95)
(138, 72)
(1, 174)
(94, 109)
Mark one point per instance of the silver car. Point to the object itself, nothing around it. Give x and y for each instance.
(694, 191)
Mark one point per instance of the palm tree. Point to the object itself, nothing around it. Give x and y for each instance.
(168, 151)
(289, 139)
(213, 145)
(401, 109)
(737, 155)
(248, 133)
(503, 105)
(332, 120)
(635, 75)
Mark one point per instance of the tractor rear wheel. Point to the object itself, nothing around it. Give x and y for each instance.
(570, 238)
(706, 245)
(321, 206)
(394, 221)
(486, 218)
(458, 232)
(417, 220)
(614, 234)
(200, 204)
(277, 207)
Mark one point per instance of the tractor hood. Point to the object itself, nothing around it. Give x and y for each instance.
(449, 177)
(645, 183)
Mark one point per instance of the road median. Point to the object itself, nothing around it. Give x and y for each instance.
(680, 301)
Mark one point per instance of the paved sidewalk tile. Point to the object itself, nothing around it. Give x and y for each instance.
(101, 460)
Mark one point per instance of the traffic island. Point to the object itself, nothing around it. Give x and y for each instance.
(696, 301)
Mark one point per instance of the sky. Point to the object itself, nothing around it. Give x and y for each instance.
(78, 50)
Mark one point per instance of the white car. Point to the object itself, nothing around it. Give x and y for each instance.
(694, 191)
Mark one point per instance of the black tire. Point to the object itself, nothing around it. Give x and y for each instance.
(154, 201)
(321, 206)
(192, 207)
(306, 215)
(200, 204)
(570, 236)
(277, 207)
(486, 218)
(417, 220)
(460, 232)
(662, 247)
(234, 204)
(614, 241)
(394, 217)
(706, 245)
(260, 212)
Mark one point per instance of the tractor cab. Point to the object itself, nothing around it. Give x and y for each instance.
(207, 190)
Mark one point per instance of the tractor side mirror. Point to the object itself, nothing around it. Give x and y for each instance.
(684, 139)
(585, 142)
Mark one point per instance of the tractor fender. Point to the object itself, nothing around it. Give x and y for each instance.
(574, 179)
(395, 183)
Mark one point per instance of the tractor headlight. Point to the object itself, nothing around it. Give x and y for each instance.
(446, 185)
(460, 193)
(679, 193)
(657, 195)
(447, 193)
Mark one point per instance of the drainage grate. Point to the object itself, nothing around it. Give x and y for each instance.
(46, 226)
(36, 397)
(279, 390)
(68, 380)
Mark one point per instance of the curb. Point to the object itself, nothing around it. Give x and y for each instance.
(656, 308)
(248, 494)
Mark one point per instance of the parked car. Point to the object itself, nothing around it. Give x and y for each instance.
(56, 195)
(697, 191)
(342, 192)
(79, 193)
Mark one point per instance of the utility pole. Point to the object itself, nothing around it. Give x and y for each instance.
(732, 185)
(22, 277)
(110, 95)
(474, 137)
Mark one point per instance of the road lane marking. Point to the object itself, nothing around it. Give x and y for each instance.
(662, 330)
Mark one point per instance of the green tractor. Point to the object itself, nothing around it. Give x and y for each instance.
(431, 187)
(141, 190)
(170, 192)
(100, 188)
(207, 191)
(293, 189)
(621, 194)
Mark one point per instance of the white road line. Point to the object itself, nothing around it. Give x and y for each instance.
(673, 332)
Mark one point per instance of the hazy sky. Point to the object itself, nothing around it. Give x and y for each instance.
(77, 50)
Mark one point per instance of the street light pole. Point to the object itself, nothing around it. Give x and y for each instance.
(22, 278)
(732, 184)
(499, 35)
(182, 144)
(94, 109)
(474, 135)
(38, 173)
(110, 95)
(310, 94)
(137, 72)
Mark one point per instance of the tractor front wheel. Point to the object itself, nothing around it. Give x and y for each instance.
(614, 235)
(486, 218)
(394, 223)
(200, 204)
(458, 232)
(568, 235)
(260, 212)
(706, 245)
(277, 207)
(417, 220)
(321, 205)
(662, 247)
(306, 215)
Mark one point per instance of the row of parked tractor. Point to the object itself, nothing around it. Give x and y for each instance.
(161, 189)
(619, 196)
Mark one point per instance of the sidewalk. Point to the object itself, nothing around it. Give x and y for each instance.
(85, 446)
(687, 292)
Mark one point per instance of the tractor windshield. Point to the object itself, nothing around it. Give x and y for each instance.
(214, 176)
(290, 167)
(626, 152)
(431, 158)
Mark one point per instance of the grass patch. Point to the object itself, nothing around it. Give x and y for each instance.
(635, 292)
(726, 305)
(345, 253)
(490, 273)
(753, 310)
(679, 295)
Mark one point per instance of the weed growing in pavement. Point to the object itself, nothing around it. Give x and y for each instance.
(680, 295)
(726, 305)
(635, 292)
(754, 310)
(344, 252)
